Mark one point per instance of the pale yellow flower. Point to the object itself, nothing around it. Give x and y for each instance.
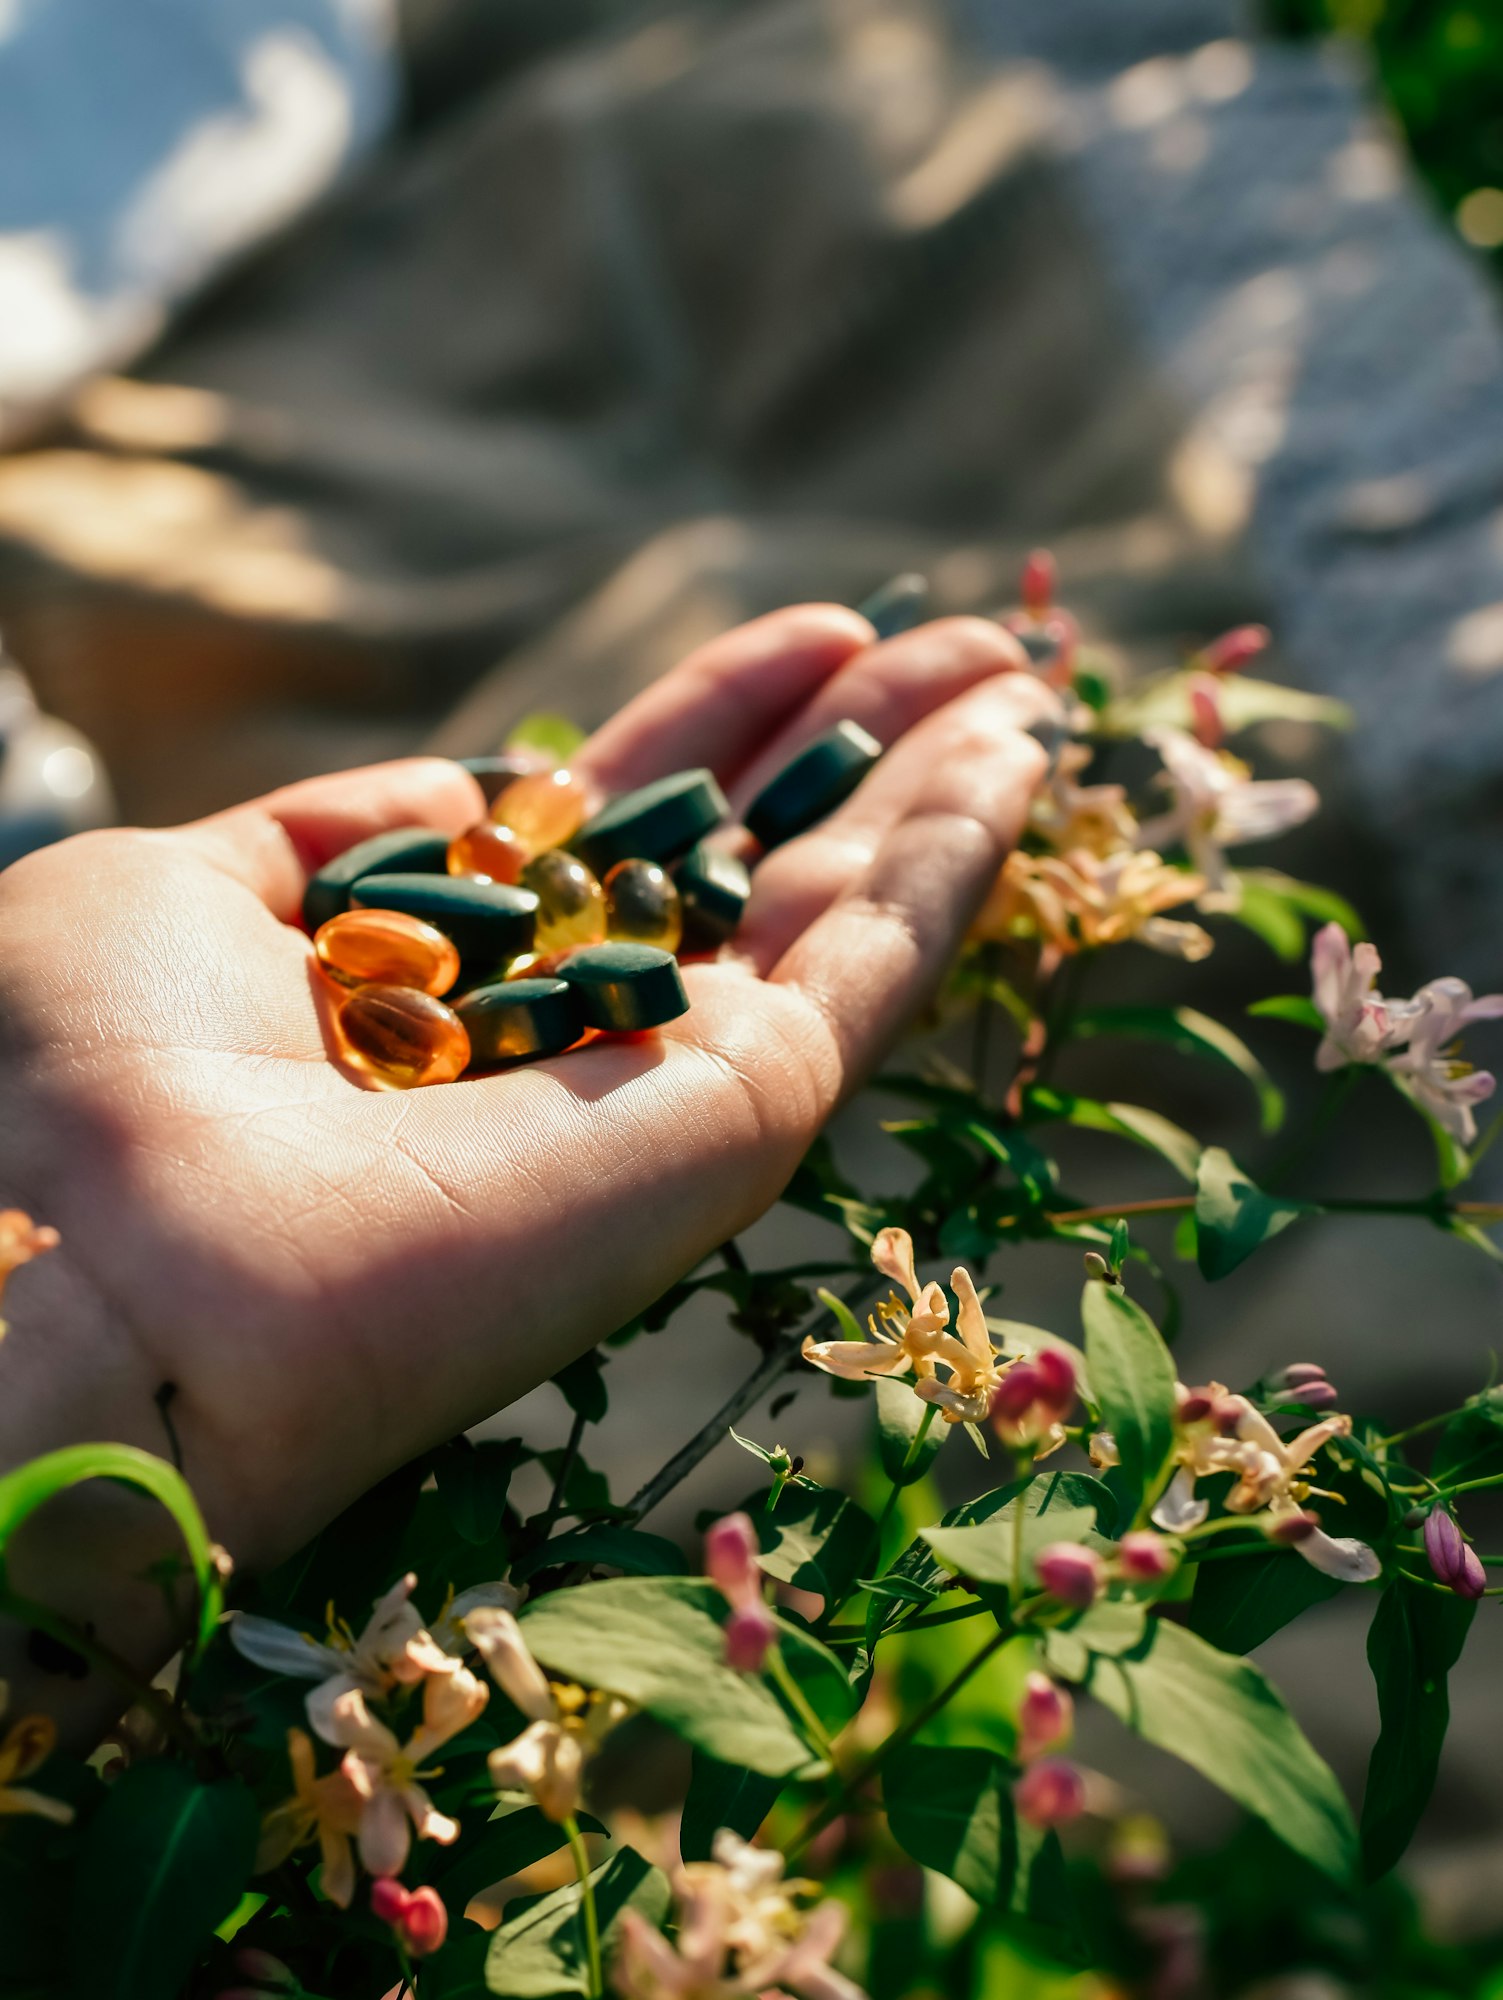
(24, 1748)
(387, 1773)
(1081, 901)
(566, 1724)
(21, 1239)
(1096, 818)
(902, 1338)
(329, 1807)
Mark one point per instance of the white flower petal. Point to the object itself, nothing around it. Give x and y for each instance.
(1178, 1507)
(1340, 1556)
(280, 1650)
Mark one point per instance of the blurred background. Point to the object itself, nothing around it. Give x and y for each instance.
(372, 374)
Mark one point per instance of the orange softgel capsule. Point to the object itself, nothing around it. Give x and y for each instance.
(490, 853)
(642, 906)
(402, 1037)
(386, 948)
(545, 808)
(571, 903)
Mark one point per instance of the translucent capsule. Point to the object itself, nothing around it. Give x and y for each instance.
(545, 808)
(642, 906)
(386, 948)
(571, 903)
(489, 852)
(402, 1037)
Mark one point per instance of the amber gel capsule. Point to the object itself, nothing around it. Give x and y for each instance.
(402, 1037)
(642, 906)
(490, 853)
(386, 948)
(545, 808)
(571, 903)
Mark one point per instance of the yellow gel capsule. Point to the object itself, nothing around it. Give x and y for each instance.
(490, 853)
(545, 808)
(642, 906)
(386, 948)
(402, 1037)
(571, 903)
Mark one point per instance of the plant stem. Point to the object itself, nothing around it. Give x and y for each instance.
(1338, 1089)
(852, 1635)
(1177, 1204)
(587, 1905)
(819, 1736)
(833, 1808)
(1467, 1486)
(1418, 1430)
(565, 1467)
(899, 1485)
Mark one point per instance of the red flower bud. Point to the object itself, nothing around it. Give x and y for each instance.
(749, 1631)
(1044, 1715)
(1071, 1573)
(1205, 712)
(1193, 1407)
(1016, 1393)
(1227, 1412)
(389, 1900)
(1315, 1396)
(1144, 1557)
(1288, 1530)
(1454, 1563)
(1037, 589)
(1299, 1375)
(1234, 649)
(1050, 1792)
(425, 1923)
(731, 1551)
(1056, 1375)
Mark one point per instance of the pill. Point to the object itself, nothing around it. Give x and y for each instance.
(408, 850)
(571, 903)
(494, 774)
(545, 808)
(489, 852)
(642, 906)
(489, 923)
(897, 606)
(657, 822)
(386, 948)
(401, 1037)
(626, 986)
(820, 778)
(713, 887)
(520, 1017)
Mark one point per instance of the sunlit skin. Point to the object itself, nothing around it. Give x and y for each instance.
(336, 1278)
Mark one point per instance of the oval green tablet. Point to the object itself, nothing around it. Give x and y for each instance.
(897, 606)
(819, 779)
(626, 986)
(657, 822)
(713, 888)
(521, 1017)
(488, 922)
(407, 850)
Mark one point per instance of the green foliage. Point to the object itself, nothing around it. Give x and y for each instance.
(539, 1954)
(1243, 1600)
(1233, 1216)
(1192, 1033)
(952, 1810)
(1133, 1379)
(1414, 1640)
(816, 1539)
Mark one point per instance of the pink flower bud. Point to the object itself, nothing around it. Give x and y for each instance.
(425, 1923)
(389, 1900)
(731, 1551)
(1205, 712)
(1316, 1396)
(1454, 1563)
(253, 1963)
(1191, 1406)
(749, 1632)
(1227, 1412)
(1045, 1715)
(1037, 590)
(1235, 649)
(1299, 1375)
(1144, 1557)
(1050, 1792)
(1056, 1378)
(1071, 1573)
(1016, 1394)
(1289, 1530)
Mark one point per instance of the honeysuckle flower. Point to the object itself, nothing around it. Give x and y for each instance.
(395, 1649)
(1045, 1716)
(330, 1808)
(21, 1239)
(566, 1724)
(1082, 901)
(1050, 1792)
(1219, 804)
(1071, 816)
(386, 1772)
(1436, 1076)
(1071, 1572)
(732, 1564)
(1455, 1564)
(418, 1916)
(1360, 1024)
(1233, 650)
(976, 1370)
(24, 1748)
(901, 1339)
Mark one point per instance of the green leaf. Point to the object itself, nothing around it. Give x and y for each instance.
(1033, 1172)
(1222, 1717)
(472, 1481)
(1471, 1445)
(554, 735)
(607, 1546)
(659, 1642)
(722, 1795)
(1143, 1127)
(1240, 1602)
(1312, 899)
(582, 1385)
(1290, 1007)
(850, 1326)
(514, 1838)
(164, 1861)
(816, 1539)
(1055, 1507)
(35, 1482)
(900, 1415)
(1243, 700)
(1414, 1640)
(1233, 1216)
(540, 1953)
(952, 1810)
(1270, 917)
(1192, 1033)
(1133, 1378)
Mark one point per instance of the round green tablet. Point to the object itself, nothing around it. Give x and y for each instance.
(521, 1017)
(626, 986)
(713, 888)
(897, 606)
(407, 850)
(488, 922)
(657, 822)
(819, 779)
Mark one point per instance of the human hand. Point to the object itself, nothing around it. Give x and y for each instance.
(334, 1279)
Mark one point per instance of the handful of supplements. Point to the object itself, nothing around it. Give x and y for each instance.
(545, 925)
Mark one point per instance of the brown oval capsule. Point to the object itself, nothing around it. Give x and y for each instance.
(386, 948)
(402, 1037)
(546, 808)
(490, 853)
(642, 906)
